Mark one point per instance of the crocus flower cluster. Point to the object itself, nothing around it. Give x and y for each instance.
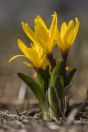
(52, 77)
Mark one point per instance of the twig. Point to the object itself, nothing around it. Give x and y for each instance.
(66, 104)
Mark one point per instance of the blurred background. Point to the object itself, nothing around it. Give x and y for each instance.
(12, 12)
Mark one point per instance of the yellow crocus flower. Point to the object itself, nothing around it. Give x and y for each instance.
(42, 35)
(67, 34)
(34, 54)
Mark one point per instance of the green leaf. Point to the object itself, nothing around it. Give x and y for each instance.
(43, 78)
(59, 86)
(55, 73)
(35, 87)
(53, 101)
(56, 86)
(38, 91)
(56, 95)
(69, 76)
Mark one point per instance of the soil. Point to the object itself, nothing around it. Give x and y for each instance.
(30, 121)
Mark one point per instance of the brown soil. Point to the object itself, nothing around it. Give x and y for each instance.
(31, 121)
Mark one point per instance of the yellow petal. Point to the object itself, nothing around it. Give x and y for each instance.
(14, 57)
(30, 53)
(23, 48)
(63, 30)
(59, 40)
(75, 31)
(36, 56)
(69, 31)
(38, 49)
(29, 32)
(42, 34)
(70, 26)
(42, 22)
(52, 31)
(33, 56)
(69, 34)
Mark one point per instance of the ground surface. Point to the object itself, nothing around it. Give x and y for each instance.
(30, 122)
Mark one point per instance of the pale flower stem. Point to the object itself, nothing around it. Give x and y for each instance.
(45, 116)
(45, 113)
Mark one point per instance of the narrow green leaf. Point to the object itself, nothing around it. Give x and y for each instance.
(55, 73)
(53, 102)
(59, 86)
(43, 78)
(37, 90)
(56, 85)
(69, 76)
(35, 87)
